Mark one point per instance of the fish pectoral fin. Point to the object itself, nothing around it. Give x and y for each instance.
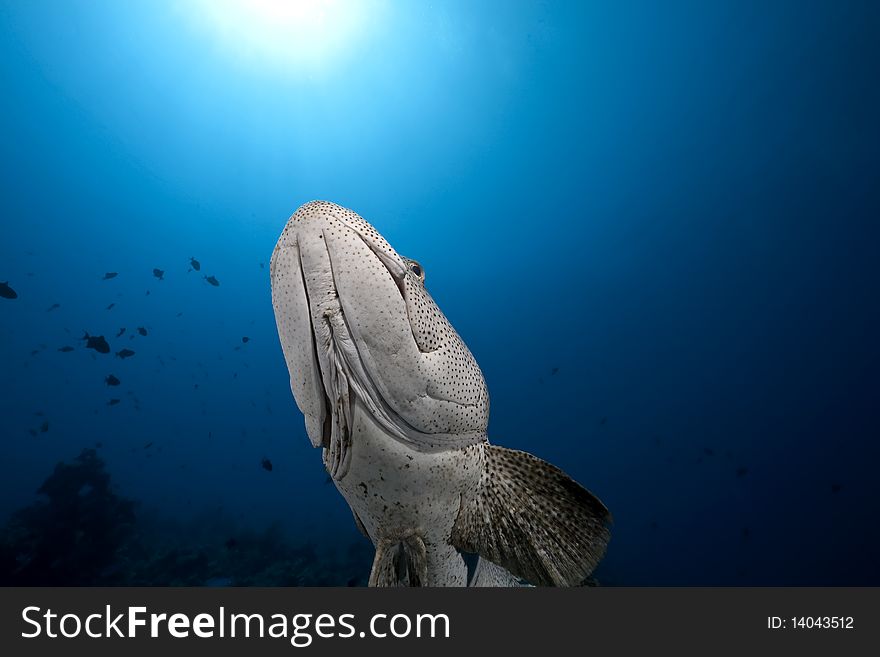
(533, 519)
(400, 562)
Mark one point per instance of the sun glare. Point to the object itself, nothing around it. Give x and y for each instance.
(295, 36)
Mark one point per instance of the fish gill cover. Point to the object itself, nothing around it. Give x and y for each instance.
(654, 227)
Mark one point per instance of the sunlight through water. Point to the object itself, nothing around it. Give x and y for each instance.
(293, 37)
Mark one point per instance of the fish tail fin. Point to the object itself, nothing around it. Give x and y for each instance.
(533, 519)
(400, 562)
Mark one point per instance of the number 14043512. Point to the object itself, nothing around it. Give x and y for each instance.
(810, 623)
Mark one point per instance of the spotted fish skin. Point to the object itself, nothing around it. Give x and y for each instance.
(399, 406)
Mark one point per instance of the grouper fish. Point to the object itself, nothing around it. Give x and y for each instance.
(399, 407)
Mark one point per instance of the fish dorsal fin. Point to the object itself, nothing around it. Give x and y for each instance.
(533, 519)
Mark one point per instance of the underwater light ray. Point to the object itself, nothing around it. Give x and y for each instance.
(291, 36)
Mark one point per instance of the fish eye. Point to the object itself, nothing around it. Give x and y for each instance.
(416, 269)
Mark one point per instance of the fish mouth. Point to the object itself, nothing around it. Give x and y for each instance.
(343, 368)
(331, 357)
(326, 426)
(336, 430)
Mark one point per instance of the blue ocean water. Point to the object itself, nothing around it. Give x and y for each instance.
(654, 224)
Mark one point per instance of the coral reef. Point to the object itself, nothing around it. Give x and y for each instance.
(81, 533)
(71, 535)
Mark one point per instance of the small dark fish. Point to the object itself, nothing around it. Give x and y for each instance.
(44, 427)
(53, 307)
(212, 280)
(113, 402)
(836, 488)
(142, 330)
(112, 380)
(110, 307)
(603, 421)
(245, 339)
(708, 451)
(352, 582)
(195, 264)
(555, 370)
(262, 265)
(7, 292)
(109, 275)
(742, 471)
(147, 293)
(33, 432)
(745, 533)
(179, 315)
(148, 445)
(267, 465)
(99, 445)
(97, 342)
(66, 348)
(231, 544)
(125, 353)
(121, 331)
(160, 274)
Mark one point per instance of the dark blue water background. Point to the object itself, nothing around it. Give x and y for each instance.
(675, 204)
